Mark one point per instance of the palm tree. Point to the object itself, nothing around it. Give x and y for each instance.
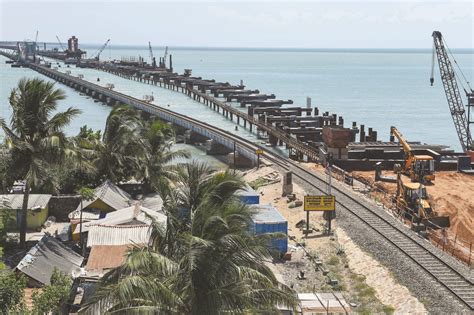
(122, 145)
(35, 137)
(155, 166)
(211, 264)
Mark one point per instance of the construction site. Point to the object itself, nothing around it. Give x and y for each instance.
(417, 197)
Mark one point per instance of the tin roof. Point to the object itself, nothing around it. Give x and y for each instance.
(135, 213)
(111, 195)
(152, 202)
(103, 257)
(15, 201)
(266, 214)
(47, 254)
(118, 235)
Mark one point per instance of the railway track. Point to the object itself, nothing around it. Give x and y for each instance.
(409, 244)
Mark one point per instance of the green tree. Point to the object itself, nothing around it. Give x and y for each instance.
(11, 291)
(208, 264)
(35, 136)
(155, 165)
(53, 297)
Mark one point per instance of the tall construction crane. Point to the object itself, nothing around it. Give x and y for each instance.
(60, 44)
(100, 50)
(152, 58)
(448, 76)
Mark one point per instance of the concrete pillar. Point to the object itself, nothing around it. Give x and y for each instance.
(215, 148)
(238, 160)
(272, 139)
(287, 187)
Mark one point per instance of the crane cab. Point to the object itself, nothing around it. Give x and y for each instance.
(419, 163)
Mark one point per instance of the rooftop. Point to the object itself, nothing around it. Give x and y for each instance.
(266, 214)
(104, 257)
(118, 235)
(47, 254)
(110, 194)
(15, 201)
(134, 214)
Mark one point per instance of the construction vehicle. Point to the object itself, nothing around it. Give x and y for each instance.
(462, 121)
(413, 197)
(414, 163)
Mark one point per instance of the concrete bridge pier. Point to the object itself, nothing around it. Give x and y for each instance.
(192, 137)
(239, 160)
(272, 139)
(215, 148)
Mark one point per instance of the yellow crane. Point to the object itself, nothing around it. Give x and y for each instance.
(415, 163)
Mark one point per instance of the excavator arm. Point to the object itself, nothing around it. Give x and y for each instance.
(406, 147)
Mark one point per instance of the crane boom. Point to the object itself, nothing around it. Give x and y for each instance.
(165, 56)
(451, 90)
(101, 49)
(152, 58)
(151, 51)
(60, 44)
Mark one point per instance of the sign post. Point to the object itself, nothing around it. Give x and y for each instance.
(319, 203)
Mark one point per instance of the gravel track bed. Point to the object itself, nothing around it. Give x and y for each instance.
(437, 299)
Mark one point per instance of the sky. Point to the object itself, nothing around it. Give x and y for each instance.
(224, 23)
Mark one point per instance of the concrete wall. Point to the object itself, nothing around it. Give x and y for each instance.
(61, 206)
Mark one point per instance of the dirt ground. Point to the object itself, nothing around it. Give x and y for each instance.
(452, 194)
(335, 257)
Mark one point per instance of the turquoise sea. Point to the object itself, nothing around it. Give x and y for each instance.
(378, 88)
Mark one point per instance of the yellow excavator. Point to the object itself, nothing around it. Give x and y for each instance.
(414, 198)
(415, 163)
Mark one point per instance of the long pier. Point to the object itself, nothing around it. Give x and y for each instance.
(231, 142)
(187, 86)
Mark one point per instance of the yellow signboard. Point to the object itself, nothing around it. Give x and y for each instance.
(319, 203)
(259, 151)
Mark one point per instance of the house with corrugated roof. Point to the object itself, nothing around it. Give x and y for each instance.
(40, 261)
(37, 212)
(110, 238)
(133, 215)
(108, 197)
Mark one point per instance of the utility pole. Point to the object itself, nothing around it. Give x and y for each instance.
(329, 215)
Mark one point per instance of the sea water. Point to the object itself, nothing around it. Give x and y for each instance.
(377, 88)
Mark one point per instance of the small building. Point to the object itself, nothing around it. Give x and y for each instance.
(267, 219)
(37, 212)
(133, 215)
(108, 197)
(248, 195)
(41, 260)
